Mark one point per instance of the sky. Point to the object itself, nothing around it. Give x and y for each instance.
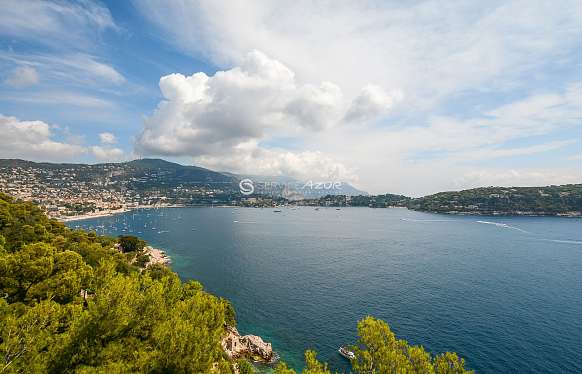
(394, 97)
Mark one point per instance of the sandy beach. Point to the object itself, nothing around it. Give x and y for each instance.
(104, 213)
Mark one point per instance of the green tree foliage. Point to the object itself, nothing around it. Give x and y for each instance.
(23, 222)
(312, 365)
(244, 367)
(379, 351)
(73, 303)
(2, 244)
(131, 243)
(144, 324)
(282, 368)
(29, 333)
(39, 271)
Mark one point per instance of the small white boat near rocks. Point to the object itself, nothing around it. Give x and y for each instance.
(346, 353)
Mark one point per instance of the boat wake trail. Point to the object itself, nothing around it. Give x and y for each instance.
(504, 226)
(563, 241)
(426, 220)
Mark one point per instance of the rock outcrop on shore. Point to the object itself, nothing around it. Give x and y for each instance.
(248, 346)
(157, 256)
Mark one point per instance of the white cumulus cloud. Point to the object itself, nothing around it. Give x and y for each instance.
(38, 141)
(251, 159)
(33, 140)
(210, 116)
(107, 153)
(371, 102)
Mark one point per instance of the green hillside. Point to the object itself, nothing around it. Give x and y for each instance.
(552, 200)
(540, 201)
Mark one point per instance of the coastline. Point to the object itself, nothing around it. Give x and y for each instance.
(157, 256)
(502, 214)
(108, 213)
(80, 217)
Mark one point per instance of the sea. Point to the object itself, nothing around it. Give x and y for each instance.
(505, 293)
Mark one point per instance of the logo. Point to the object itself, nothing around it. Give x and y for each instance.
(326, 185)
(246, 187)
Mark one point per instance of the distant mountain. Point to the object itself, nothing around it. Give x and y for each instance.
(550, 200)
(161, 173)
(140, 174)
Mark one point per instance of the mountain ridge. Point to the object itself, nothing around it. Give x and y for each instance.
(152, 181)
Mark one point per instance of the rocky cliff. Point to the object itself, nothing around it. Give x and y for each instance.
(248, 346)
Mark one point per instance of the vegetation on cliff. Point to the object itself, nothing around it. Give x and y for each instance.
(552, 200)
(73, 303)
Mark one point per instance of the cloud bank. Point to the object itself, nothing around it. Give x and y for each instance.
(37, 141)
(55, 23)
(227, 115)
(33, 140)
(410, 97)
(427, 49)
(480, 88)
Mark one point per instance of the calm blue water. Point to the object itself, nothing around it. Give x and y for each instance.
(506, 294)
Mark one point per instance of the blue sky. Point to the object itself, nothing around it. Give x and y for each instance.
(129, 46)
(393, 97)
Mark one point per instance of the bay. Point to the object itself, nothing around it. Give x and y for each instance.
(505, 293)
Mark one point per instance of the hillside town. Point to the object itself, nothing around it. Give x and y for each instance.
(94, 190)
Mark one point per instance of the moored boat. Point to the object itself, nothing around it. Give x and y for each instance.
(346, 353)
